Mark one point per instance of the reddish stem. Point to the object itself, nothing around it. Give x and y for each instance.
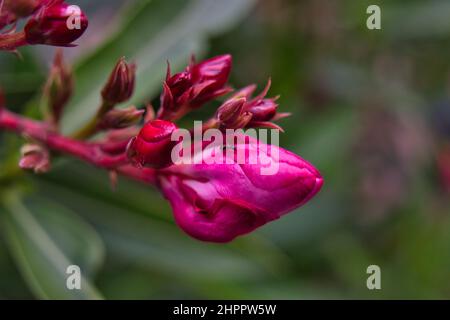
(145, 175)
(114, 147)
(89, 152)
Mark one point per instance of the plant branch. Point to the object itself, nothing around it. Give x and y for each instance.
(89, 152)
(11, 41)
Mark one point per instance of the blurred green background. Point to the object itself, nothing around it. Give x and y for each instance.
(371, 110)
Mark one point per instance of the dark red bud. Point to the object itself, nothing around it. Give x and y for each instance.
(216, 69)
(196, 85)
(231, 114)
(152, 147)
(56, 23)
(59, 87)
(263, 110)
(120, 85)
(179, 83)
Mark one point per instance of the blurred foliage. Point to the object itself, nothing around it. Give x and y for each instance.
(370, 110)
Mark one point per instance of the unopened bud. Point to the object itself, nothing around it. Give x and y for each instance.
(35, 157)
(263, 110)
(120, 85)
(231, 114)
(59, 87)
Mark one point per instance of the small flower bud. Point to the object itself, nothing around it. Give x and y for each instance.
(231, 114)
(121, 118)
(35, 157)
(263, 110)
(59, 87)
(120, 85)
(56, 23)
(152, 147)
(216, 69)
(195, 86)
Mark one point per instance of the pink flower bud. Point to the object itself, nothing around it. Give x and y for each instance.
(262, 108)
(35, 158)
(217, 70)
(152, 147)
(121, 118)
(56, 23)
(120, 85)
(218, 202)
(231, 114)
(195, 86)
(260, 111)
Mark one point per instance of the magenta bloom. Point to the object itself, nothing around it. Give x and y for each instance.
(56, 23)
(196, 85)
(218, 202)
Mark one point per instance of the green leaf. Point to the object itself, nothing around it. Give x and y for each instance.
(44, 240)
(417, 20)
(156, 31)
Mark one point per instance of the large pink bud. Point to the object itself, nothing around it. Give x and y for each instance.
(218, 202)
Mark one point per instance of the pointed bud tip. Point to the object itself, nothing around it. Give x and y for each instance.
(120, 85)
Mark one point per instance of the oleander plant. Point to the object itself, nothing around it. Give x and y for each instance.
(96, 95)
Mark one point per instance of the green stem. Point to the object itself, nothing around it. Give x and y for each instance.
(92, 126)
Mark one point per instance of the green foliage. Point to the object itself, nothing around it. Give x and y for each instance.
(43, 250)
